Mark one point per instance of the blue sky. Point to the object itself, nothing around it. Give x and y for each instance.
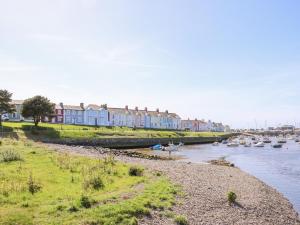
(231, 61)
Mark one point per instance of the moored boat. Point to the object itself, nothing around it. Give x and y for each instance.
(157, 147)
(215, 143)
(259, 144)
(281, 141)
(267, 140)
(277, 146)
(247, 145)
(233, 144)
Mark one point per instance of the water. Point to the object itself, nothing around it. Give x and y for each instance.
(279, 168)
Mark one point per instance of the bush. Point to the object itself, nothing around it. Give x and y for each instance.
(181, 220)
(136, 171)
(231, 196)
(85, 202)
(73, 209)
(94, 182)
(9, 156)
(33, 187)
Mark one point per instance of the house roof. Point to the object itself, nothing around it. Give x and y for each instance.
(73, 107)
(93, 107)
(58, 107)
(143, 112)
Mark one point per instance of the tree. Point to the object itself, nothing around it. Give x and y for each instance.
(5, 104)
(37, 107)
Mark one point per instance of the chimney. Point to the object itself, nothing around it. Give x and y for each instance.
(82, 105)
(146, 109)
(136, 108)
(167, 111)
(126, 107)
(157, 110)
(61, 105)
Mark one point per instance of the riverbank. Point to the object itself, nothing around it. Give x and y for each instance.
(205, 187)
(108, 137)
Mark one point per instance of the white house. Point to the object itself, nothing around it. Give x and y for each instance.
(96, 115)
(74, 114)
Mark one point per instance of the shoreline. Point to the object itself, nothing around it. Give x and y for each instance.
(205, 187)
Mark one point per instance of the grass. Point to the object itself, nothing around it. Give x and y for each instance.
(47, 187)
(181, 220)
(64, 131)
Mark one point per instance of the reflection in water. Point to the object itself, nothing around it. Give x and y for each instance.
(279, 168)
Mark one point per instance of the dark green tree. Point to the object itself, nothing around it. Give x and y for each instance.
(37, 107)
(5, 104)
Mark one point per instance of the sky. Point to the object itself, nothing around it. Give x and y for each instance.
(230, 61)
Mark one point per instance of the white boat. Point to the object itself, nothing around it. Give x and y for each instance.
(233, 144)
(247, 145)
(172, 148)
(281, 141)
(259, 144)
(215, 143)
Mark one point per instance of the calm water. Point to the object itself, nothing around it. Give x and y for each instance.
(279, 168)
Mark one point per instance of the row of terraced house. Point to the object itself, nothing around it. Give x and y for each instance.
(101, 115)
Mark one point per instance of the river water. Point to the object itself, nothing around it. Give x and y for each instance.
(279, 168)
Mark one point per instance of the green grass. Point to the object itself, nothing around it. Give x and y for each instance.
(61, 180)
(63, 131)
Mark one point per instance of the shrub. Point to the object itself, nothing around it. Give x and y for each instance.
(9, 156)
(85, 202)
(181, 220)
(73, 209)
(136, 171)
(94, 182)
(231, 196)
(33, 187)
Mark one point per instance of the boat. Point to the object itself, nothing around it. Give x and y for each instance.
(225, 142)
(215, 143)
(281, 141)
(242, 142)
(255, 142)
(297, 140)
(277, 146)
(267, 140)
(172, 148)
(247, 145)
(259, 144)
(232, 144)
(157, 147)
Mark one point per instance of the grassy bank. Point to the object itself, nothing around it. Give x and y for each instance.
(63, 131)
(38, 186)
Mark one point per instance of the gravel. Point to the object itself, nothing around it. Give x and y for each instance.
(206, 187)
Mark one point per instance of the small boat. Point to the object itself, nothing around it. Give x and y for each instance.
(259, 144)
(225, 142)
(215, 143)
(247, 145)
(277, 146)
(281, 141)
(267, 140)
(172, 148)
(233, 144)
(242, 142)
(297, 140)
(157, 147)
